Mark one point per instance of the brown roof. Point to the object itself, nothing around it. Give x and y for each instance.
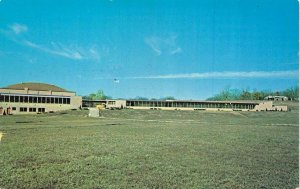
(36, 87)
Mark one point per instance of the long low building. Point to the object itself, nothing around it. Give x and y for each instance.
(24, 98)
(36, 98)
(187, 105)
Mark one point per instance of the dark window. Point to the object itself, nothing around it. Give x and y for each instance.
(6, 98)
(43, 99)
(21, 98)
(1, 98)
(26, 98)
(34, 99)
(52, 100)
(14, 108)
(56, 100)
(60, 100)
(64, 101)
(41, 109)
(39, 99)
(48, 100)
(17, 98)
(23, 109)
(68, 101)
(30, 99)
(12, 98)
(32, 109)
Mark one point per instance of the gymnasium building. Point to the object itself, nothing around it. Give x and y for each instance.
(24, 98)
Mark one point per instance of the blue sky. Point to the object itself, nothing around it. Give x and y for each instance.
(189, 49)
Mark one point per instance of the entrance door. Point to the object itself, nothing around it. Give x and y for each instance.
(8, 111)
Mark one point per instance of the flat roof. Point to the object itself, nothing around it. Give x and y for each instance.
(202, 101)
(198, 101)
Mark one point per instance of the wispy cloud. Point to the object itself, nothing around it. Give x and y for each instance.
(18, 28)
(176, 51)
(73, 52)
(58, 49)
(226, 75)
(154, 44)
(160, 45)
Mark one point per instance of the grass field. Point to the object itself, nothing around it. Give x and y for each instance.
(150, 149)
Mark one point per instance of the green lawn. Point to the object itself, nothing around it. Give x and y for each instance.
(150, 149)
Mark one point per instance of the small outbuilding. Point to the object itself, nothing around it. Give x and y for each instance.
(276, 98)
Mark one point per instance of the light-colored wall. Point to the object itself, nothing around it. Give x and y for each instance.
(280, 108)
(266, 105)
(76, 102)
(117, 104)
(48, 107)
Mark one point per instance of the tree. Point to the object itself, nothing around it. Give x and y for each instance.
(140, 98)
(246, 95)
(235, 94)
(226, 94)
(99, 95)
(167, 98)
(292, 93)
(257, 95)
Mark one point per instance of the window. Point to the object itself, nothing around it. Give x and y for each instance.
(43, 100)
(12, 98)
(56, 100)
(14, 108)
(34, 99)
(6, 98)
(1, 98)
(41, 109)
(68, 101)
(23, 109)
(52, 100)
(39, 99)
(32, 109)
(111, 102)
(30, 99)
(60, 100)
(17, 98)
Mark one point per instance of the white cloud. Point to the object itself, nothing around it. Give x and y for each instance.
(58, 49)
(226, 75)
(160, 45)
(18, 28)
(176, 51)
(155, 44)
(74, 52)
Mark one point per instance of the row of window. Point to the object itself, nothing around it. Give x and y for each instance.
(35, 99)
(190, 104)
(25, 109)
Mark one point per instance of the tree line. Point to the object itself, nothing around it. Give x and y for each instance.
(226, 94)
(245, 94)
(100, 95)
